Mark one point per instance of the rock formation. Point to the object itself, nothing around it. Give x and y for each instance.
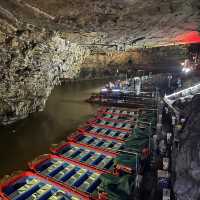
(150, 59)
(134, 23)
(187, 185)
(31, 63)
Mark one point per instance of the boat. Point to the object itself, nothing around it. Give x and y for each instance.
(122, 102)
(28, 186)
(78, 177)
(119, 99)
(88, 156)
(114, 125)
(119, 118)
(100, 142)
(119, 111)
(107, 133)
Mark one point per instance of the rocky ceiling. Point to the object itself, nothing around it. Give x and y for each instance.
(115, 24)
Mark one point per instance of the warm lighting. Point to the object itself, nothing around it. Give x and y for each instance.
(104, 90)
(182, 63)
(188, 38)
(186, 70)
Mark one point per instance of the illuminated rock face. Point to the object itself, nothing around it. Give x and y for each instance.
(149, 59)
(30, 65)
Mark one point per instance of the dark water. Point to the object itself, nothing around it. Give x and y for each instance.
(28, 138)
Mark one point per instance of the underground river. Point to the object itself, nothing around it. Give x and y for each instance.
(65, 111)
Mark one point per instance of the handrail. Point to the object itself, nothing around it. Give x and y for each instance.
(170, 99)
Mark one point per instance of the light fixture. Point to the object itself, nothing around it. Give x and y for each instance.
(104, 90)
(186, 69)
(183, 69)
(193, 89)
(116, 90)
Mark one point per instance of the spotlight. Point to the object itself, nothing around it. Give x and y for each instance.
(104, 90)
(182, 64)
(186, 70)
(183, 69)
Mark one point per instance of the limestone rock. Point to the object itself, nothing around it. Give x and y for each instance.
(30, 65)
(187, 185)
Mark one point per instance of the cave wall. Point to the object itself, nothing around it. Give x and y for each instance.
(187, 159)
(149, 59)
(31, 63)
(33, 60)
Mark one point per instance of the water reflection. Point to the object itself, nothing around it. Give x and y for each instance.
(65, 110)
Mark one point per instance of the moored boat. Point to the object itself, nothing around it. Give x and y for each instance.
(114, 125)
(68, 173)
(119, 111)
(100, 142)
(88, 156)
(108, 133)
(29, 186)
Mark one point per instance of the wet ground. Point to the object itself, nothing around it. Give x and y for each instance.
(64, 112)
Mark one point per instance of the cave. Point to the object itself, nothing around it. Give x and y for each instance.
(114, 81)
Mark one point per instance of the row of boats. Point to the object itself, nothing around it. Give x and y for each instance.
(92, 163)
(124, 100)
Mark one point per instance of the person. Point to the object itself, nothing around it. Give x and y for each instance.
(169, 137)
(145, 152)
(166, 110)
(169, 80)
(179, 84)
(162, 147)
(111, 85)
(138, 85)
(173, 120)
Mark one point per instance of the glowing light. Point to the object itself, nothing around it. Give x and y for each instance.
(104, 89)
(182, 63)
(188, 38)
(116, 90)
(183, 69)
(186, 70)
(193, 88)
